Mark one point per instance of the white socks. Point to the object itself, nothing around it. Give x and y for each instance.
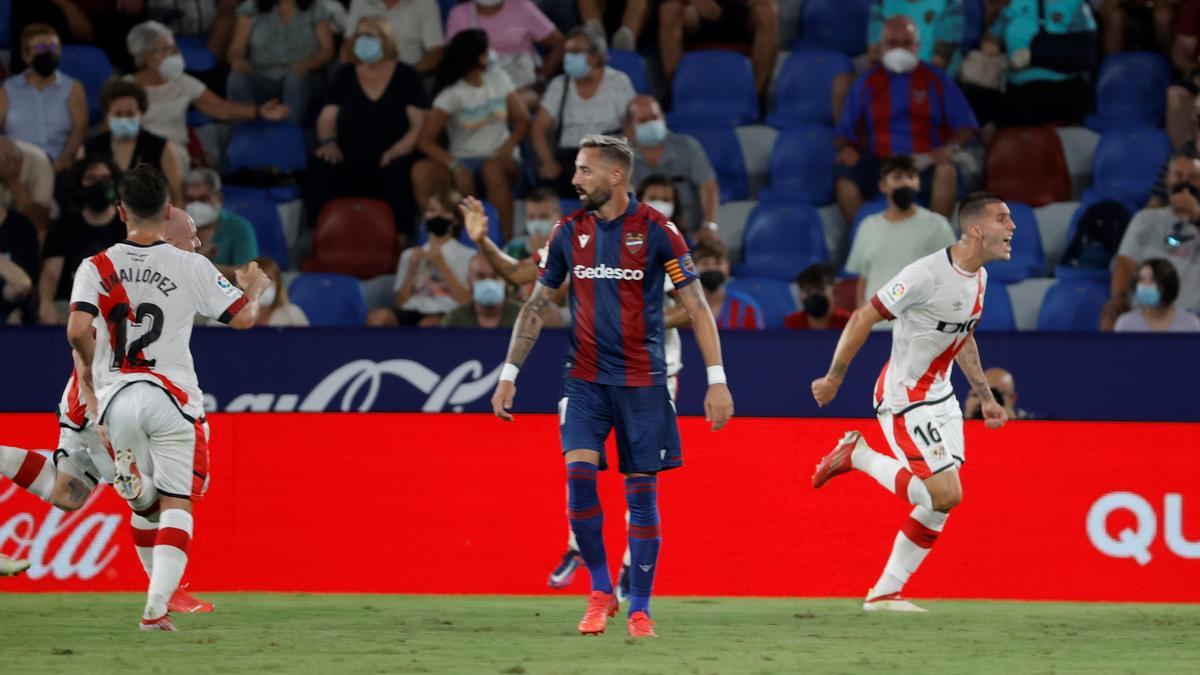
(169, 560)
(29, 470)
(912, 544)
(891, 474)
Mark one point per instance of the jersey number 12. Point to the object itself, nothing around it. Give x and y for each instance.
(118, 320)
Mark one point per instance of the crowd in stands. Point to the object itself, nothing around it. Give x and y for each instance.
(809, 149)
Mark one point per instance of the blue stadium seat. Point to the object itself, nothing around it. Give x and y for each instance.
(803, 92)
(713, 89)
(269, 147)
(802, 166)
(774, 297)
(1126, 164)
(1131, 91)
(493, 228)
(196, 56)
(1072, 306)
(1028, 258)
(780, 240)
(569, 206)
(997, 308)
(89, 65)
(725, 154)
(837, 25)
(1066, 272)
(257, 207)
(973, 16)
(633, 65)
(5, 24)
(329, 299)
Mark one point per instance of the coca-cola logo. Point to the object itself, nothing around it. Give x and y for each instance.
(355, 387)
(76, 545)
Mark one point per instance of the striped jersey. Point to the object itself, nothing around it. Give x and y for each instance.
(915, 113)
(145, 299)
(617, 271)
(936, 306)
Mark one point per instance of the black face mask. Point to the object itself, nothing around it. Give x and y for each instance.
(99, 195)
(904, 197)
(438, 227)
(1185, 186)
(816, 305)
(44, 63)
(712, 279)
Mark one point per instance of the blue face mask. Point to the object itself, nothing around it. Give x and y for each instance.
(1148, 295)
(488, 292)
(652, 133)
(539, 227)
(575, 65)
(368, 49)
(124, 127)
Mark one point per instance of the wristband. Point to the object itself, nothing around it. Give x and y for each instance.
(716, 375)
(509, 373)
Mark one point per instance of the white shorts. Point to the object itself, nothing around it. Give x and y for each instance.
(927, 438)
(82, 455)
(168, 445)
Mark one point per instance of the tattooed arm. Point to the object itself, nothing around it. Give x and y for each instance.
(525, 333)
(853, 336)
(968, 359)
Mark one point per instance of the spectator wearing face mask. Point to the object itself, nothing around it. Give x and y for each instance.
(733, 309)
(542, 211)
(1182, 167)
(659, 193)
(886, 242)
(78, 235)
(903, 106)
(514, 28)
(1004, 390)
(416, 26)
(170, 92)
(431, 279)
(274, 307)
(126, 142)
(227, 239)
(1171, 233)
(816, 296)
(1156, 291)
(490, 306)
(939, 27)
(588, 98)
(679, 157)
(44, 106)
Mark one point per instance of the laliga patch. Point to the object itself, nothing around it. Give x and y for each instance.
(896, 291)
(634, 241)
(226, 287)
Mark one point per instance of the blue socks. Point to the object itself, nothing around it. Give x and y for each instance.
(641, 493)
(587, 522)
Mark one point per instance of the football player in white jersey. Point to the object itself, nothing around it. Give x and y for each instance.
(936, 303)
(132, 311)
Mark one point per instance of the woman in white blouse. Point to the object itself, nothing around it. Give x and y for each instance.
(275, 309)
(172, 92)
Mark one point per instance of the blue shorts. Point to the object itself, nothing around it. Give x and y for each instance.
(643, 417)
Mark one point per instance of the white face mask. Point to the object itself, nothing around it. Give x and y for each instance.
(900, 60)
(488, 3)
(268, 296)
(202, 212)
(665, 208)
(171, 67)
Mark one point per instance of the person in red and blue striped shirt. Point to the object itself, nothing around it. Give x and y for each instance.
(902, 106)
(617, 251)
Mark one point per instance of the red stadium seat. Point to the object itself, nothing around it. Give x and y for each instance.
(1027, 164)
(355, 237)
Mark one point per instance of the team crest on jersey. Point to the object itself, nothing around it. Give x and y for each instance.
(226, 287)
(634, 241)
(583, 240)
(896, 291)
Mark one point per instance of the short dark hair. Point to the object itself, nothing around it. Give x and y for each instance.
(818, 275)
(542, 194)
(973, 205)
(613, 149)
(1166, 277)
(708, 250)
(121, 89)
(144, 192)
(903, 163)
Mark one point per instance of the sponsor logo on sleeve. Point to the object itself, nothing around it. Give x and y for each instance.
(226, 287)
(895, 292)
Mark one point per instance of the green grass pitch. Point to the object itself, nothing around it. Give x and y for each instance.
(96, 633)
